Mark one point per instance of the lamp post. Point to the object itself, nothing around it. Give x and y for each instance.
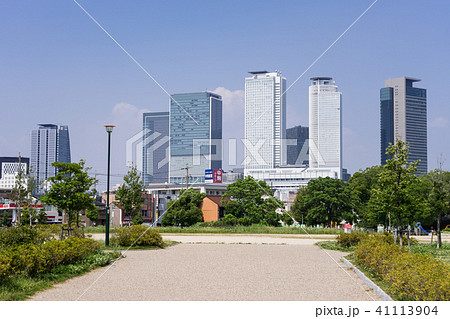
(109, 129)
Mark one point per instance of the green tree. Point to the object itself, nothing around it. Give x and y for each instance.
(4, 220)
(251, 202)
(92, 212)
(361, 185)
(185, 211)
(394, 193)
(31, 214)
(70, 189)
(438, 197)
(129, 194)
(22, 193)
(324, 201)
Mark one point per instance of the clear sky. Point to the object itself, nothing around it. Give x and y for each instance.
(58, 66)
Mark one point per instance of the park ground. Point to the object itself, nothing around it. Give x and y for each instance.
(221, 267)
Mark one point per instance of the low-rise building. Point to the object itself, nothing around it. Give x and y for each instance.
(163, 193)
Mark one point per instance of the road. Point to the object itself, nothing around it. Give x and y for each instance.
(220, 267)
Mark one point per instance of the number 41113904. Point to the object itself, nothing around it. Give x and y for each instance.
(407, 310)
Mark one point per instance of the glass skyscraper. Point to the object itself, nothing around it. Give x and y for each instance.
(49, 143)
(265, 120)
(403, 115)
(297, 145)
(155, 147)
(195, 123)
(325, 124)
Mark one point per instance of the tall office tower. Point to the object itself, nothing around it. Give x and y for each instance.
(195, 135)
(49, 143)
(403, 113)
(155, 147)
(265, 120)
(325, 124)
(297, 145)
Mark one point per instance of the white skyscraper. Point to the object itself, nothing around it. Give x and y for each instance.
(325, 124)
(265, 120)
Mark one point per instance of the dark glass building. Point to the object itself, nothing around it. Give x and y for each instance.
(195, 135)
(403, 115)
(155, 147)
(49, 143)
(298, 153)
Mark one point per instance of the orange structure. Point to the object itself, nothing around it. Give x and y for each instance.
(212, 208)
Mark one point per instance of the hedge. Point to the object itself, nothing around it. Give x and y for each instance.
(14, 236)
(34, 259)
(411, 276)
(137, 235)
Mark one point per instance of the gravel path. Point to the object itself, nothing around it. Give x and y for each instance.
(264, 270)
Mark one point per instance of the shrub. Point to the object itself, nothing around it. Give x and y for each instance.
(349, 240)
(411, 276)
(14, 236)
(138, 235)
(33, 259)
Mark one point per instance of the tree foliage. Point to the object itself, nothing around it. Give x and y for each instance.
(129, 194)
(395, 190)
(92, 212)
(438, 196)
(251, 202)
(324, 201)
(22, 193)
(70, 190)
(185, 211)
(31, 214)
(361, 185)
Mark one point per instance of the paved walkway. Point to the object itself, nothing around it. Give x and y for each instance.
(270, 268)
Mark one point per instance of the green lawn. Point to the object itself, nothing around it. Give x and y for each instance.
(442, 253)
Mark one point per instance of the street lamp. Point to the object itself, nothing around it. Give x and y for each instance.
(109, 129)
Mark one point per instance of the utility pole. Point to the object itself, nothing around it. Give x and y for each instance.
(19, 204)
(187, 175)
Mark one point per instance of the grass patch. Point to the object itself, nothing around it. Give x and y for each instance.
(333, 245)
(23, 286)
(99, 230)
(442, 253)
(250, 230)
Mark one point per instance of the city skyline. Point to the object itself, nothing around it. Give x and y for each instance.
(61, 68)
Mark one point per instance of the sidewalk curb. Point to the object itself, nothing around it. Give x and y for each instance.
(384, 296)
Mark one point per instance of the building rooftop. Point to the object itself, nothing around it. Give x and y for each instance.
(321, 78)
(258, 72)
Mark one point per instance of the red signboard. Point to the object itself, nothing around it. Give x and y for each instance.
(217, 176)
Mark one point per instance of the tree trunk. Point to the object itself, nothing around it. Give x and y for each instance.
(439, 242)
(431, 244)
(400, 236)
(409, 241)
(389, 226)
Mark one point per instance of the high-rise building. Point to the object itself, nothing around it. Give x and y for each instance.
(265, 120)
(195, 123)
(9, 168)
(297, 145)
(155, 147)
(325, 124)
(403, 115)
(49, 143)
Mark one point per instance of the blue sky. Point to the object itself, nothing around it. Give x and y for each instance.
(57, 66)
